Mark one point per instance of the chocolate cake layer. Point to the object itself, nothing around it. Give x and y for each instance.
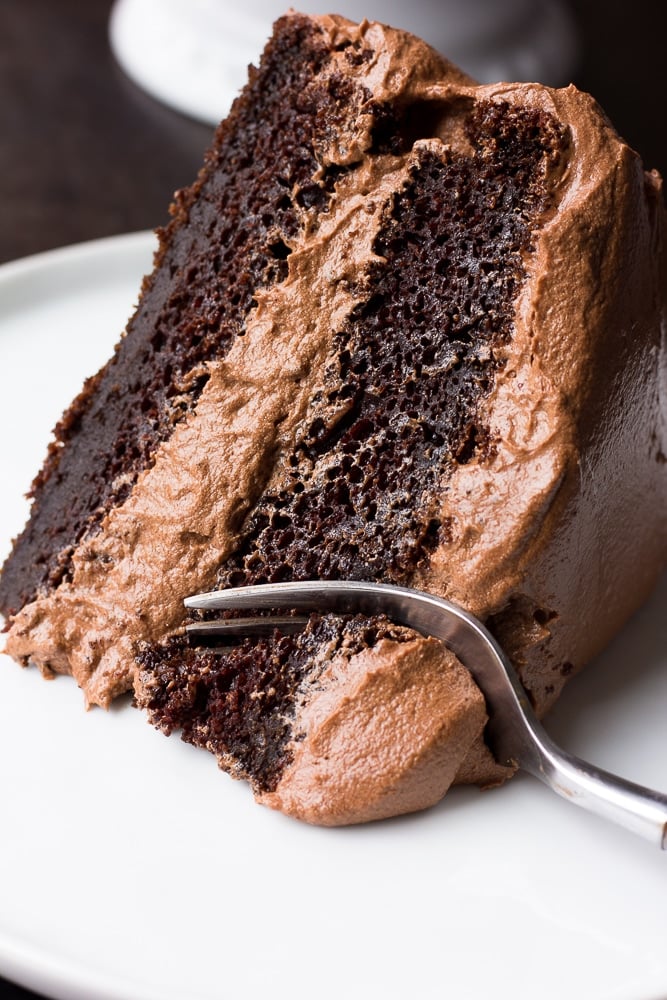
(240, 702)
(399, 407)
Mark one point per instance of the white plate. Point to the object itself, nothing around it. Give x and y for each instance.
(131, 868)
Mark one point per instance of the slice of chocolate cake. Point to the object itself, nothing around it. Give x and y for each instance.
(402, 328)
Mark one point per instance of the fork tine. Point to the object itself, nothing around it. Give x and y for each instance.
(324, 595)
(423, 612)
(306, 596)
(247, 626)
(401, 605)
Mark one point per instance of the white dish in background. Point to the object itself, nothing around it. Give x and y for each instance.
(193, 55)
(132, 869)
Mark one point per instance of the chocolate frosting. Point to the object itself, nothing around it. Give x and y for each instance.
(385, 734)
(556, 537)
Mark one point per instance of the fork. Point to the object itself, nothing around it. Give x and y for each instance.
(513, 732)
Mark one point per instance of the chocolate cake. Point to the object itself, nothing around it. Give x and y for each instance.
(402, 328)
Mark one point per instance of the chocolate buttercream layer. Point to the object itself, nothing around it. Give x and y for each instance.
(454, 378)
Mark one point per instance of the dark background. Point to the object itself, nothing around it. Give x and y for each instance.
(84, 154)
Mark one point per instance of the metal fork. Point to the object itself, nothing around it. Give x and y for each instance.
(513, 732)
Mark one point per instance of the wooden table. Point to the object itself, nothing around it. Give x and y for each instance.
(85, 154)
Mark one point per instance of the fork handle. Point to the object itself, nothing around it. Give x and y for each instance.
(641, 810)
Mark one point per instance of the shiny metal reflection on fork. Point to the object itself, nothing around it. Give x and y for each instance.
(513, 731)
